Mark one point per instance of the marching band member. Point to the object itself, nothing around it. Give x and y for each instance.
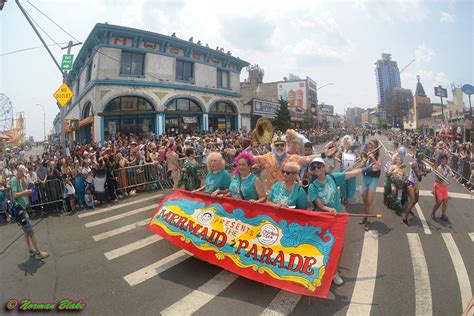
(246, 185)
(347, 158)
(440, 189)
(288, 193)
(273, 161)
(323, 191)
(417, 172)
(218, 179)
(370, 179)
(398, 178)
(330, 152)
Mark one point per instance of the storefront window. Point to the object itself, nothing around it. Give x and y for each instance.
(183, 116)
(222, 116)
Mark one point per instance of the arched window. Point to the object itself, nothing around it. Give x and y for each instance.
(129, 104)
(183, 105)
(222, 107)
(87, 111)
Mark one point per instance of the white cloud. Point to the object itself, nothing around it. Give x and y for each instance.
(391, 11)
(447, 17)
(424, 53)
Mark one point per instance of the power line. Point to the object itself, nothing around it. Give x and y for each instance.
(52, 21)
(30, 48)
(29, 15)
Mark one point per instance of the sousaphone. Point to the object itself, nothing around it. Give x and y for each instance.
(263, 132)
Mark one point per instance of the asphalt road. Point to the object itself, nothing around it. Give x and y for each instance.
(108, 259)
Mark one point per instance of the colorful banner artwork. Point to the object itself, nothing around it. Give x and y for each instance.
(294, 250)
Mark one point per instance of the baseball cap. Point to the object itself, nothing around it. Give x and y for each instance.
(318, 160)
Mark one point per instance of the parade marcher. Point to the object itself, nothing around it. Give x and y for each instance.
(273, 161)
(20, 196)
(347, 158)
(246, 185)
(288, 193)
(323, 191)
(417, 171)
(440, 189)
(189, 177)
(172, 160)
(370, 179)
(218, 179)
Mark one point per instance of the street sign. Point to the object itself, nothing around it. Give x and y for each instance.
(467, 89)
(66, 63)
(441, 92)
(63, 95)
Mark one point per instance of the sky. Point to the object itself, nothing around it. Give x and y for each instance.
(329, 41)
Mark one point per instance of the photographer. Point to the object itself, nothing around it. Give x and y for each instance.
(20, 197)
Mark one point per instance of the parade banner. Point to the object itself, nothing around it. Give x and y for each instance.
(294, 250)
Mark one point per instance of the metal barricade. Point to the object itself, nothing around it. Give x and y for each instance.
(152, 174)
(6, 194)
(49, 195)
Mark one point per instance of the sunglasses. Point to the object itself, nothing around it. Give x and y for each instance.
(315, 166)
(287, 172)
(280, 145)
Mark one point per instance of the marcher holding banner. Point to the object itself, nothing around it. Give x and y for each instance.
(246, 185)
(218, 179)
(288, 193)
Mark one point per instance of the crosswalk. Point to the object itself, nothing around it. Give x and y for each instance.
(107, 226)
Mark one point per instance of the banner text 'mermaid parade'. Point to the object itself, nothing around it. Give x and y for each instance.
(290, 249)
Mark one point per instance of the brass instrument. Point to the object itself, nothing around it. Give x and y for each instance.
(263, 131)
(362, 159)
(305, 184)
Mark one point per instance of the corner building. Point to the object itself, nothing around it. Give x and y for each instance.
(135, 82)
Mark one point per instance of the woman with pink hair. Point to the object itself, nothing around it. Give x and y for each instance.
(246, 185)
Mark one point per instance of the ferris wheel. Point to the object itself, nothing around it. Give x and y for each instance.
(6, 113)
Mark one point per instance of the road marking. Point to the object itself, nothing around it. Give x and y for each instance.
(428, 193)
(156, 268)
(119, 216)
(111, 208)
(198, 298)
(361, 301)
(459, 267)
(120, 230)
(422, 279)
(472, 236)
(423, 221)
(132, 247)
(282, 304)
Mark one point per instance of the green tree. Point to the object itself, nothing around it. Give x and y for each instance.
(308, 120)
(283, 118)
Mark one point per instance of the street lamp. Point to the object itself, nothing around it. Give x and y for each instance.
(44, 121)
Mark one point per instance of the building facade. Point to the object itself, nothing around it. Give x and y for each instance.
(135, 82)
(301, 95)
(354, 116)
(399, 101)
(387, 77)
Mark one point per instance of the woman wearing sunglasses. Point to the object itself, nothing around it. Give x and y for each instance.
(246, 185)
(288, 193)
(323, 191)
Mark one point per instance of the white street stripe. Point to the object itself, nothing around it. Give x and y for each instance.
(422, 278)
(120, 230)
(111, 208)
(198, 298)
(428, 193)
(132, 247)
(156, 268)
(472, 236)
(361, 301)
(423, 221)
(460, 268)
(282, 304)
(119, 216)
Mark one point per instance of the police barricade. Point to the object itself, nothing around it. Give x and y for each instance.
(49, 195)
(151, 176)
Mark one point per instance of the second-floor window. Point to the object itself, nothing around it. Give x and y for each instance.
(184, 70)
(223, 79)
(132, 64)
(89, 72)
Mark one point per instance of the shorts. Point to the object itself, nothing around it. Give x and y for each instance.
(440, 191)
(369, 183)
(27, 228)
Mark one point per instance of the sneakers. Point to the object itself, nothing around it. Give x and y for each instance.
(32, 252)
(337, 279)
(433, 217)
(42, 255)
(405, 221)
(444, 218)
(367, 226)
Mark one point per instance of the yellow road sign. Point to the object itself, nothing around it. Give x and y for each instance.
(63, 94)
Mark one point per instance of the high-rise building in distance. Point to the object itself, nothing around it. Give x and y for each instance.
(387, 77)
